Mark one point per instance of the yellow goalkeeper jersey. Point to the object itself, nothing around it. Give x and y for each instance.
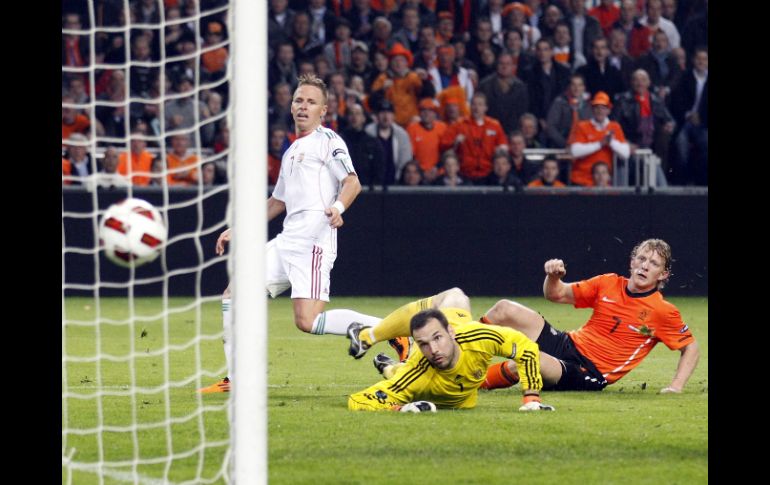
(457, 387)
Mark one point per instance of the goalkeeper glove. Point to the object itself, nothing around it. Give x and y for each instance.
(418, 407)
(532, 403)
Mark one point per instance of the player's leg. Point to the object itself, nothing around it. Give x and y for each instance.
(452, 298)
(505, 374)
(227, 328)
(386, 366)
(507, 313)
(395, 327)
(397, 323)
(227, 339)
(309, 272)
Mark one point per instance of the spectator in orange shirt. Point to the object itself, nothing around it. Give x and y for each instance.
(607, 13)
(596, 139)
(180, 157)
(476, 140)
(138, 169)
(549, 174)
(214, 62)
(71, 121)
(630, 317)
(425, 136)
(402, 86)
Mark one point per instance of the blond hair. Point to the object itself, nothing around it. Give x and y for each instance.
(313, 80)
(660, 247)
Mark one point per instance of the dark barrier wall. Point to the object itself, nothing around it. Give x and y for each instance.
(421, 243)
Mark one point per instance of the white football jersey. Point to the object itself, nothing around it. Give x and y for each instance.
(312, 170)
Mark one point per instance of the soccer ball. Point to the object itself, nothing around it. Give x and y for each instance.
(132, 232)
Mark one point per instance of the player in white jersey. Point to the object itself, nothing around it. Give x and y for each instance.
(316, 184)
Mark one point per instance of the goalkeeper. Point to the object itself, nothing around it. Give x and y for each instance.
(450, 364)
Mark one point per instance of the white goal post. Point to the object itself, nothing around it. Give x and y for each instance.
(249, 427)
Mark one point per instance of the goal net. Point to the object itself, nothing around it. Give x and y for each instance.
(148, 92)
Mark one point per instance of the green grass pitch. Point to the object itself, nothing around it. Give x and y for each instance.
(626, 434)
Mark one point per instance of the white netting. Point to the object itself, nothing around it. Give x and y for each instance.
(138, 342)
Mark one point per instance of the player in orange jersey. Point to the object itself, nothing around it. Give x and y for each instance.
(629, 318)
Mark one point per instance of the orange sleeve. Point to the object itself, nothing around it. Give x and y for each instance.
(379, 82)
(577, 135)
(672, 331)
(448, 138)
(123, 163)
(415, 82)
(587, 291)
(618, 131)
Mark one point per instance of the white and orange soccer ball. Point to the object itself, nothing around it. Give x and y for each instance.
(132, 232)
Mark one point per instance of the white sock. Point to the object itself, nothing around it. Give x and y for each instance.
(336, 322)
(227, 337)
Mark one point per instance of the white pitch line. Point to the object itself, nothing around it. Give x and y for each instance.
(128, 477)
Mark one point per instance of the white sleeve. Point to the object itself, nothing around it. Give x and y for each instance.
(676, 39)
(338, 160)
(623, 149)
(280, 187)
(578, 150)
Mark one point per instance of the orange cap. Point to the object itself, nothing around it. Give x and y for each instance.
(516, 6)
(399, 50)
(601, 98)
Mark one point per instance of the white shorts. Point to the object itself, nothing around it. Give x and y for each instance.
(305, 268)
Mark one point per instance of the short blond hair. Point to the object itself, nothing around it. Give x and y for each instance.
(313, 80)
(663, 249)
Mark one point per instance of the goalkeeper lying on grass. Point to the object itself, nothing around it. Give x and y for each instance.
(450, 365)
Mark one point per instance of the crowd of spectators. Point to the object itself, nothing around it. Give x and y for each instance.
(152, 95)
(424, 92)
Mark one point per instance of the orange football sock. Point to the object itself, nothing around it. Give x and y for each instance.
(499, 377)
